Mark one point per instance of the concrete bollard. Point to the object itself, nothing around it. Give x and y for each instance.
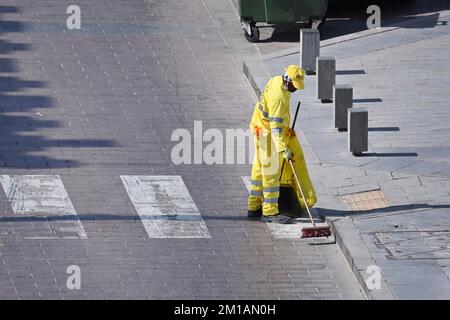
(358, 122)
(343, 100)
(326, 78)
(309, 49)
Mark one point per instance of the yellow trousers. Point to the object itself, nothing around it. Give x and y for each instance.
(265, 177)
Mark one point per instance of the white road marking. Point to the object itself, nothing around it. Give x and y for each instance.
(44, 196)
(286, 231)
(165, 207)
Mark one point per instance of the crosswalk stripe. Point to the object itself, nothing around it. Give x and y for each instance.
(44, 196)
(165, 207)
(284, 231)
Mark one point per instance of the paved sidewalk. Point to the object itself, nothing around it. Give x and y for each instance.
(390, 207)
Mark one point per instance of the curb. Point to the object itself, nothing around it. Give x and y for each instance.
(256, 74)
(357, 255)
(342, 228)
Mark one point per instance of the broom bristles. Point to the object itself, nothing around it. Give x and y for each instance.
(316, 232)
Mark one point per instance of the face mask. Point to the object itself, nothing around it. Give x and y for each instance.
(286, 83)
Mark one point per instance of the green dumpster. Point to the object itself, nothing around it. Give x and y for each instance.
(279, 12)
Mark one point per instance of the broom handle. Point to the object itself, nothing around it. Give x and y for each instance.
(296, 113)
(293, 126)
(301, 191)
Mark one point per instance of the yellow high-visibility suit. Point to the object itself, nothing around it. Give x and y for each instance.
(270, 126)
(271, 118)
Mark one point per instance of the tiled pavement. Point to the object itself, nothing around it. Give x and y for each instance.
(401, 75)
(85, 108)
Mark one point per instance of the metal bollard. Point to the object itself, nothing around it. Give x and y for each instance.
(309, 49)
(358, 122)
(326, 78)
(343, 100)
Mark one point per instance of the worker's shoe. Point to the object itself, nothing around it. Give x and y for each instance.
(278, 218)
(254, 213)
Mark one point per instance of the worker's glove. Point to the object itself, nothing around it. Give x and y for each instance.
(287, 154)
(290, 132)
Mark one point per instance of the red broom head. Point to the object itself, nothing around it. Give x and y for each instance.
(316, 232)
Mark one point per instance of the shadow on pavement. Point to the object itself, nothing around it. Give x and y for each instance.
(384, 129)
(389, 154)
(391, 209)
(8, 9)
(112, 217)
(347, 16)
(367, 100)
(8, 65)
(8, 46)
(18, 130)
(349, 72)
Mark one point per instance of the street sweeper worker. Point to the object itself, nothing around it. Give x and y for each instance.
(270, 127)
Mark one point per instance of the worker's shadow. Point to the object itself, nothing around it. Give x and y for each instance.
(289, 205)
(391, 210)
(380, 212)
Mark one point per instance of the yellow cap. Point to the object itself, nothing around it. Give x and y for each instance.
(297, 76)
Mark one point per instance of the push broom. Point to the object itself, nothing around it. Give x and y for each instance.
(315, 231)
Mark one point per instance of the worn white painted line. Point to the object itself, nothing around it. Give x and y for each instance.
(247, 182)
(165, 207)
(284, 231)
(44, 196)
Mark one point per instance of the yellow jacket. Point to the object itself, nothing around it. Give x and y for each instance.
(271, 113)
